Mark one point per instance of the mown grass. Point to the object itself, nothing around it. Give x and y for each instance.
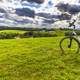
(12, 31)
(37, 59)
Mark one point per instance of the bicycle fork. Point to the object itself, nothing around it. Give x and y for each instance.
(69, 46)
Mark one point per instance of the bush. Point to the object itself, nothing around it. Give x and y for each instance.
(8, 35)
(70, 33)
(39, 34)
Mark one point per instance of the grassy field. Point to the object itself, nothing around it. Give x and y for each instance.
(12, 31)
(37, 59)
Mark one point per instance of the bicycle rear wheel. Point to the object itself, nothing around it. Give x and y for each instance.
(69, 45)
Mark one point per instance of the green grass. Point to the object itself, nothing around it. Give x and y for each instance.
(12, 31)
(37, 59)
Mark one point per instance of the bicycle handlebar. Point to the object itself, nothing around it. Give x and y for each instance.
(72, 24)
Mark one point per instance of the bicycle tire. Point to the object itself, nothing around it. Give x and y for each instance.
(75, 50)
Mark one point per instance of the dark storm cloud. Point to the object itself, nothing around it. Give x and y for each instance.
(70, 8)
(37, 1)
(25, 12)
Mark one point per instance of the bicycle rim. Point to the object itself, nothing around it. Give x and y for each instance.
(65, 42)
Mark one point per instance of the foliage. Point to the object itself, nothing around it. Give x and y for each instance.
(39, 34)
(70, 32)
(10, 34)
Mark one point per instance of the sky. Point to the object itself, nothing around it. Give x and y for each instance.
(47, 4)
(50, 4)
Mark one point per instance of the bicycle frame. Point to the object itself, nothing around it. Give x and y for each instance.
(73, 34)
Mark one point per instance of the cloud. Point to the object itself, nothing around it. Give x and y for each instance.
(37, 1)
(70, 8)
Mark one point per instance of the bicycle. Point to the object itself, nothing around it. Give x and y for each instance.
(70, 43)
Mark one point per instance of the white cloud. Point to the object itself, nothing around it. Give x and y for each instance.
(45, 5)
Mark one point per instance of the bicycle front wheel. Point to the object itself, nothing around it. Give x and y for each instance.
(69, 45)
